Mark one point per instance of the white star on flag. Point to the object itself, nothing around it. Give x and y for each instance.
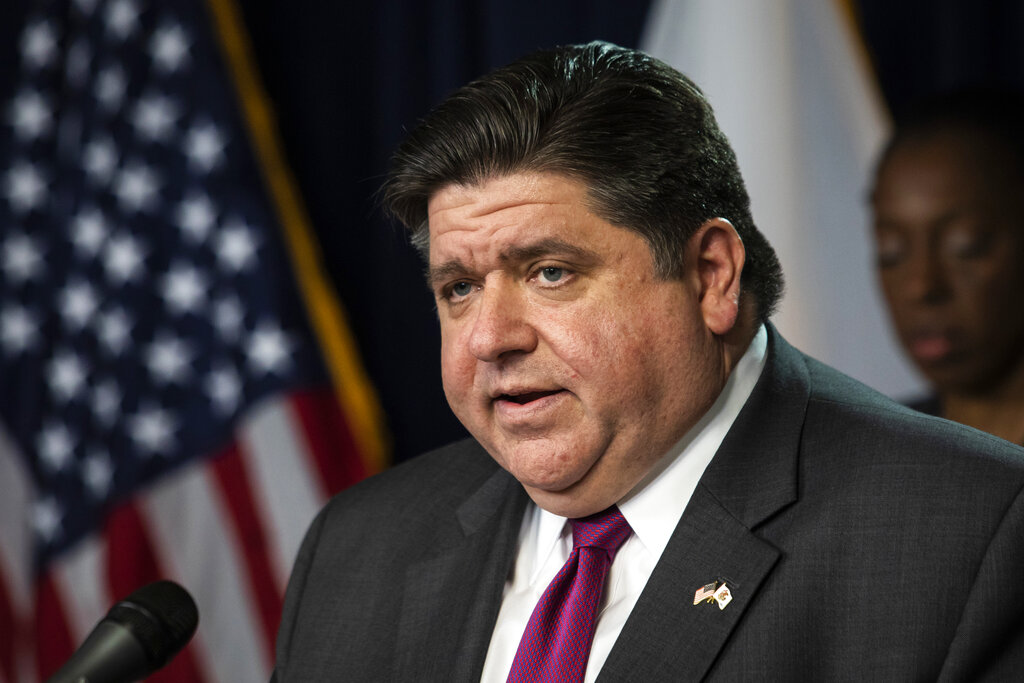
(153, 117)
(122, 18)
(204, 147)
(228, 318)
(110, 88)
(56, 446)
(169, 48)
(106, 402)
(184, 289)
(123, 257)
(39, 45)
(19, 329)
(30, 115)
(47, 517)
(78, 303)
(152, 429)
(168, 359)
(236, 246)
(136, 187)
(99, 159)
(67, 375)
(224, 387)
(269, 349)
(114, 331)
(88, 231)
(26, 186)
(97, 473)
(196, 216)
(22, 260)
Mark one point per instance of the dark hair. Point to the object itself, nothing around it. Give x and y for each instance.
(640, 135)
(993, 116)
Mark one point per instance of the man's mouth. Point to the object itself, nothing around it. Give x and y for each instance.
(526, 397)
(526, 410)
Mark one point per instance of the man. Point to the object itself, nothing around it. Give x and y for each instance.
(658, 486)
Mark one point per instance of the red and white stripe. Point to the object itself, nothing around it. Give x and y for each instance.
(227, 528)
(15, 564)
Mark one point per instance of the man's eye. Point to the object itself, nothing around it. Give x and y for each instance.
(461, 289)
(552, 274)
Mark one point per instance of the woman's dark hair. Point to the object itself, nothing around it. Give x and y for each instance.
(992, 116)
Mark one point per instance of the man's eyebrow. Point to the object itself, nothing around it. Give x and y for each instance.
(550, 246)
(445, 271)
(547, 247)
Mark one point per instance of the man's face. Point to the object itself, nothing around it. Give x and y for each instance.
(563, 353)
(948, 231)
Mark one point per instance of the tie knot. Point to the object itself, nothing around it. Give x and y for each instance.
(607, 529)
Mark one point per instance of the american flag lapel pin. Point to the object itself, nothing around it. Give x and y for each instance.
(723, 596)
(705, 592)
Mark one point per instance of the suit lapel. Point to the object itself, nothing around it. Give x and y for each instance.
(752, 477)
(666, 636)
(452, 595)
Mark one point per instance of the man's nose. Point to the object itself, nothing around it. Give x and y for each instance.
(501, 328)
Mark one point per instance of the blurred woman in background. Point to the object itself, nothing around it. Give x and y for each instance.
(948, 205)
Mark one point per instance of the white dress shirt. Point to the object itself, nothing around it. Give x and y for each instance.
(652, 508)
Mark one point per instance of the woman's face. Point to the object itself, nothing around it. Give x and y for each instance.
(949, 228)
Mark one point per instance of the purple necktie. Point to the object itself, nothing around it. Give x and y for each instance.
(556, 642)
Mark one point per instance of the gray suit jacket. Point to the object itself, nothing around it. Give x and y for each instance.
(861, 540)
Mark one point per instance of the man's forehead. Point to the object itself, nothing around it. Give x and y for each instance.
(501, 214)
(496, 194)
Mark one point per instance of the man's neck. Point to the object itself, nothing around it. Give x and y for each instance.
(736, 342)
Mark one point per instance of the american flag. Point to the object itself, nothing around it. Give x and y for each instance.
(165, 409)
(705, 592)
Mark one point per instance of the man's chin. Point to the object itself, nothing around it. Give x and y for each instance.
(573, 497)
(573, 502)
(560, 490)
(546, 464)
(551, 484)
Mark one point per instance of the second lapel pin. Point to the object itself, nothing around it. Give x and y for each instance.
(723, 596)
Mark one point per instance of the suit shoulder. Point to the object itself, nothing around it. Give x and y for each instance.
(865, 424)
(438, 479)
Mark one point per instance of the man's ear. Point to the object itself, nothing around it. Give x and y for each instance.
(720, 259)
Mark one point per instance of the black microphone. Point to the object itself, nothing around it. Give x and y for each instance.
(138, 636)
